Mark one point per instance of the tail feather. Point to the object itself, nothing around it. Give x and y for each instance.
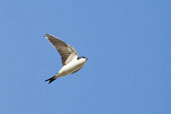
(51, 79)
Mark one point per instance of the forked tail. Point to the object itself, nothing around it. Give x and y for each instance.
(51, 79)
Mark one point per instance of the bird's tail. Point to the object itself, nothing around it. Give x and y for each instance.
(52, 79)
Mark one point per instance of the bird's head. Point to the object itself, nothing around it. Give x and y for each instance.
(82, 58)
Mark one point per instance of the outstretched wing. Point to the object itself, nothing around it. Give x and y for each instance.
(66, 51)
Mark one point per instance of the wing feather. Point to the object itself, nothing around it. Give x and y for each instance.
(66, 51)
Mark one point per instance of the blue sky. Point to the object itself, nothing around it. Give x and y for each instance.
(128, 48)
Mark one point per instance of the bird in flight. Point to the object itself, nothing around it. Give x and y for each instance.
(70, 60)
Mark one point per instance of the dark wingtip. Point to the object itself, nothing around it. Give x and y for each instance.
(46, 35)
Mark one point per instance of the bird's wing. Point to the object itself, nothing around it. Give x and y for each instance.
(66, 51)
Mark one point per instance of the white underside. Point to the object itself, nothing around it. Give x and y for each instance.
(71, 67)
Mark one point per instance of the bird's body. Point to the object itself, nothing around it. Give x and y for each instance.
(71, 67)
(70, 60)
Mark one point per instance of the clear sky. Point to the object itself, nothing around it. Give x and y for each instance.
(127, 43)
